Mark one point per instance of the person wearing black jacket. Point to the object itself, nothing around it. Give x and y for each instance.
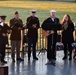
(67, 35)
(51, 25)
(32, 35)
(4, 29)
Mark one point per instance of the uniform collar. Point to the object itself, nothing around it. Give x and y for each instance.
(2, 24)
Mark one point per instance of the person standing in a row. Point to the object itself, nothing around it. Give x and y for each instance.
(32, 24)
(16, 25)
(4, 29)
(50, 25)
(67, 36)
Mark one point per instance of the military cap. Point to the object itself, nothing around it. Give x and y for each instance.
(16, 12)
(52, 11)
(33, 11)
(3, 17)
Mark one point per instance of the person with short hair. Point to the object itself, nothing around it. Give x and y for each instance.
(16, 25)
(51, 25)
(32, 23)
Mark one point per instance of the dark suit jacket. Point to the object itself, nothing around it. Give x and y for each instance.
(4, 29)
(32, 32)
(48, 24)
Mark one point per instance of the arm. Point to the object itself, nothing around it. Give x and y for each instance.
(72, 27)
(57, 24)
(8, 29)
(44, 25)
(20, 27)
(28, 24)
(12, 26)
(38, 24)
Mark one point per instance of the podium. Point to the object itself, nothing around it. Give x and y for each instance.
(3, 70)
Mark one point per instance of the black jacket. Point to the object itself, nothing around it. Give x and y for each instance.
(32, 32)
(4, 29)
(48, 24)
(67, 35)
(55, 25)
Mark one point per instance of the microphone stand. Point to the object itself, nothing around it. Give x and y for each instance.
(42, 49)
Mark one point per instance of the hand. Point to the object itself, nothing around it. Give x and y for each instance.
(48, 31)
(19, 28)
(4, 34)
(25, 26)
(52, 32)
(34, 25)
(8, 31)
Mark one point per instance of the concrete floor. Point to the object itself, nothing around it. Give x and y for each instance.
(33, 67)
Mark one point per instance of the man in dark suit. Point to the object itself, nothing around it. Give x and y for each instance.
(50, 25)
(4, 29)
(32, 25)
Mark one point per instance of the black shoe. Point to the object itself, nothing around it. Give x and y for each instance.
(28, 58)
(64, 58)
(35, 58)
(13, 60)
(54, 58)
(4, 61)
(20, 59)
(53, 63)
(70, 58)
(74, 57)
(50, 63)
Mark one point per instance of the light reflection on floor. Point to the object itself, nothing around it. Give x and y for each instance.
(33, 67)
